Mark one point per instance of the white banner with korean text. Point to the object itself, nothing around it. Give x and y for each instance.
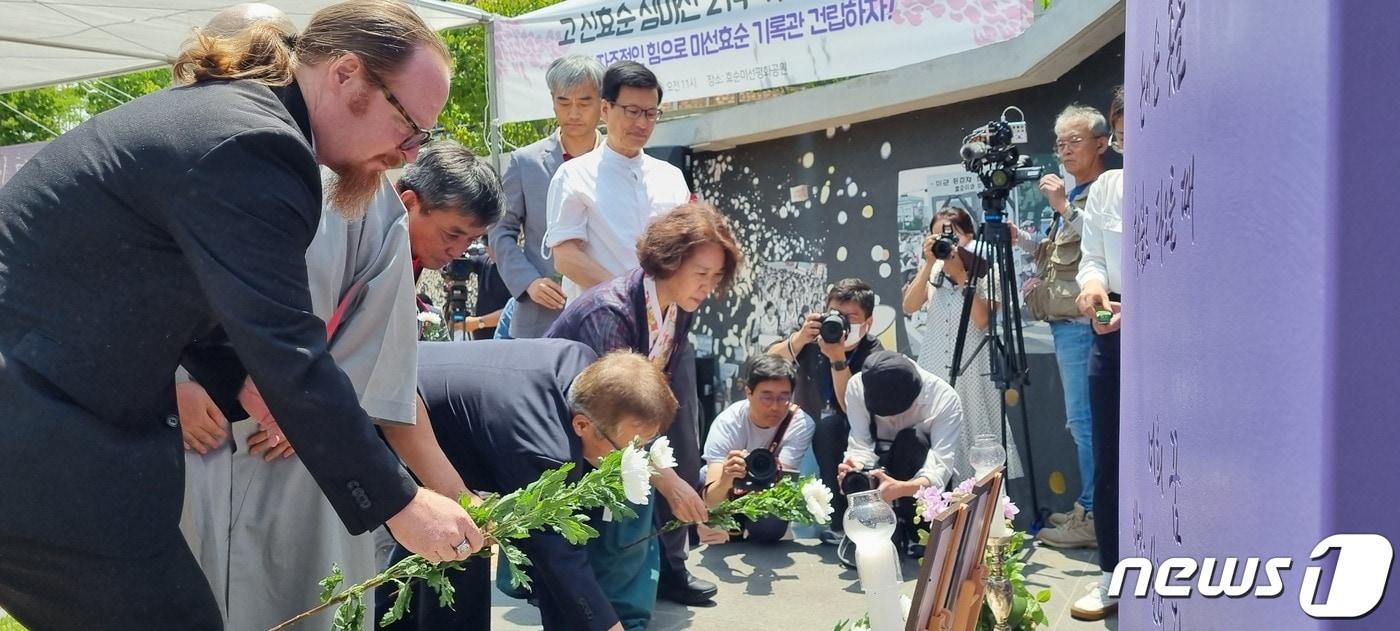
(702, 48)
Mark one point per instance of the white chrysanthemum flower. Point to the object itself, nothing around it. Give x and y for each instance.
(662, 456)
(428, 317)
(636, 475)
(818, 498)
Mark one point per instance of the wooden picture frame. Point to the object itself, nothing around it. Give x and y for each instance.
(927, 612)
(967, 578)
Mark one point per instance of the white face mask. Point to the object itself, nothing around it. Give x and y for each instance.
(856, 335)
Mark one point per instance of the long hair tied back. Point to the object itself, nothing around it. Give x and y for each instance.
(261, 52)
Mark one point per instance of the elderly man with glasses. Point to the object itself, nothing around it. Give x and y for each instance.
(504, 412)
(1081, 139)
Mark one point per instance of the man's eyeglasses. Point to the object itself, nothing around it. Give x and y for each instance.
(772, 399)
(644, 447)
(420, 136)
(633, 112)
(1072, 143)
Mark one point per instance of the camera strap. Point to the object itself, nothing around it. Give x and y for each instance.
(778, 437)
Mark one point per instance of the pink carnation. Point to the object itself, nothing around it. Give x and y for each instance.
(1009, 508)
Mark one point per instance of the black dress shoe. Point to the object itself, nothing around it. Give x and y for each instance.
(685, 589)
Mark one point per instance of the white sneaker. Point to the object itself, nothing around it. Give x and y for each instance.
(1058, 519)
(1095, 605)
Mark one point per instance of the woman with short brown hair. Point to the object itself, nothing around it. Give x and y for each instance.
(686, 255)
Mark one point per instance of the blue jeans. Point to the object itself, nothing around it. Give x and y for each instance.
(1072, 343)
(503, 325)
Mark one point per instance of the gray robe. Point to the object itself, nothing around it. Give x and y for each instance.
(262, 531)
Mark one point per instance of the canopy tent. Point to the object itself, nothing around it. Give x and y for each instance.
(47, 42)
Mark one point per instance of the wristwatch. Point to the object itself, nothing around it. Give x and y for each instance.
(839, 364)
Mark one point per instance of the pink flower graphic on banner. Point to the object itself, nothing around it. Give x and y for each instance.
(518, 50)
(995, 20)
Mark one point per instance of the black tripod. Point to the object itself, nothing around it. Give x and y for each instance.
(456, 313)
(1003, 338)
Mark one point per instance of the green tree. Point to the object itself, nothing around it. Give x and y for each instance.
(464, 118)
(101, 95)
(35, 115)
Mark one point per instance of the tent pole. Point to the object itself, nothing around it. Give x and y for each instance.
(493, 126)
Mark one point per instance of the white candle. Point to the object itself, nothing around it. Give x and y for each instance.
(876, 563)
(999, 528)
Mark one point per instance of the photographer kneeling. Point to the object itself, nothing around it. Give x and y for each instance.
(904, 427)
(754, 441)
(829, 348)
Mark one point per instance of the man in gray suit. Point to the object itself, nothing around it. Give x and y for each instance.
(574, 82)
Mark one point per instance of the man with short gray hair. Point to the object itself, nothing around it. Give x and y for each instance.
(574, 83)
(1081, 139)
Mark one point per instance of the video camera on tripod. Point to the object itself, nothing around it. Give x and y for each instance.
(457, 274)
(990, 152)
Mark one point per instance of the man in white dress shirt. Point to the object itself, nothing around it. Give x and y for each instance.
(1100, 279)
(600, 202)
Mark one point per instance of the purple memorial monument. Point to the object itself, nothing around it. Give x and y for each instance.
(1260, 363)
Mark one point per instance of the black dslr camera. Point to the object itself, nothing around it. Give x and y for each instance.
(945, 244)
(761, 471)
(858, 481)
(834, 327)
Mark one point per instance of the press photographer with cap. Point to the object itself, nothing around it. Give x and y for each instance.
(904, 429)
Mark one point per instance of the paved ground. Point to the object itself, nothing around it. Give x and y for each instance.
(799, 586)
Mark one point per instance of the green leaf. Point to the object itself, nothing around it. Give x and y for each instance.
(349, 616)
(329, 583)
(1043, 596)
(516, 561)
(575, 530)
(438, 581)
(401, 603)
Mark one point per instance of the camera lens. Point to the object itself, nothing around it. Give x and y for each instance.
(833, 327)
(943, 247)
(762, 468)
(856, 482)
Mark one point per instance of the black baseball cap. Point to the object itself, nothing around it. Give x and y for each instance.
(892, 383)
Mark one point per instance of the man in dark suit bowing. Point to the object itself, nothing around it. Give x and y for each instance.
(172, 231)
(505, 412)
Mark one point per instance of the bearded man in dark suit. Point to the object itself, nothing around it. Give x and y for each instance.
(171, 231)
